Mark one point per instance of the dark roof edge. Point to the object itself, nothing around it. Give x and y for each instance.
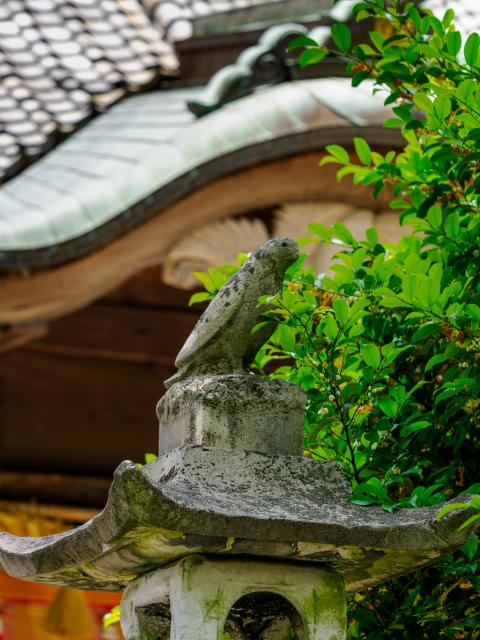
(179, 188)
(269, 61)
(265, 63)
(260, 15)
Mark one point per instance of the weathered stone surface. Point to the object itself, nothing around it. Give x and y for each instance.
(213, 400)
(222, 341)
(203, 593)
(233, 412)
(201, 500)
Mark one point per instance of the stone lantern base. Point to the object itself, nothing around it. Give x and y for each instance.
(204, 598)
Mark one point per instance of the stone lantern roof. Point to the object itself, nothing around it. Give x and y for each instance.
(230, 479)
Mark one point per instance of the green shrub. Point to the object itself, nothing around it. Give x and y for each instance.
(387, 345)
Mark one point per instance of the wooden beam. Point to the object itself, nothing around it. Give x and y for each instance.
(49, 294)
(100, 354)
(73, 515)
(11, 338)
(79, 416)
(120, 332)
(147, 288)
(54, 488)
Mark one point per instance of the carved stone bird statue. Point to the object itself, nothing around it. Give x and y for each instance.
(222, 341)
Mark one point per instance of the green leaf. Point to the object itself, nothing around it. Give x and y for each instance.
(342, 310)
(470, 548)
(394, 303)
(338, 153)
(371, 354)
(150, 457)
(363, 150)
(472, 49)
(425, 331)
(454, 42)
(448, 17)
(285, 338)
(452, 225)
(344, 171)
(435, 216)
(377, 39)
(331, 328)
(367, 50)
(470, 522)
(360, 77)
(473, 488)
(390, 356)
(312, 55)
(399, 394)
(200, 296)
(442, 107)
(473, 310)
(112, 617)
(301, 41)
(205, 279)
(261, 325)
(475, 502)
(356, 330)
(372, 237)
(343, 234)
(423, 102)
(453, 506)
(466, 89)
(321, 231)
(409, 286)
(341, 36)
(413, 427)
(419, 385)
(388, 405)
(434, 360)
(393, 123)
(448, 393)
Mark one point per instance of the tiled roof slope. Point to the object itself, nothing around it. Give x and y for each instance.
(173, 18)
(149, 151)
(60, 61)
(63, 60)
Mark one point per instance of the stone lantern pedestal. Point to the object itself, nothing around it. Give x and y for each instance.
(231, 534)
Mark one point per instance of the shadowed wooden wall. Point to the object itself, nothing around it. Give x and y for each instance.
(82, 399)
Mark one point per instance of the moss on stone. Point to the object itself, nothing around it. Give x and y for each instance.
(328, 599)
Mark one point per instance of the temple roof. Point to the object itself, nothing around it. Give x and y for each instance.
(149, 150)
(63, 62)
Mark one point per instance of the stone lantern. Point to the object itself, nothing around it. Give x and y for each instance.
(231, 533)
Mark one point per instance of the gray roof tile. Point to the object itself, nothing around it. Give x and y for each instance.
(60, 62)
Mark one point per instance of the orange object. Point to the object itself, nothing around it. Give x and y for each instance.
(30, 611)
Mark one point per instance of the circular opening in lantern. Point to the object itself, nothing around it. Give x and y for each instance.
(264, 615)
